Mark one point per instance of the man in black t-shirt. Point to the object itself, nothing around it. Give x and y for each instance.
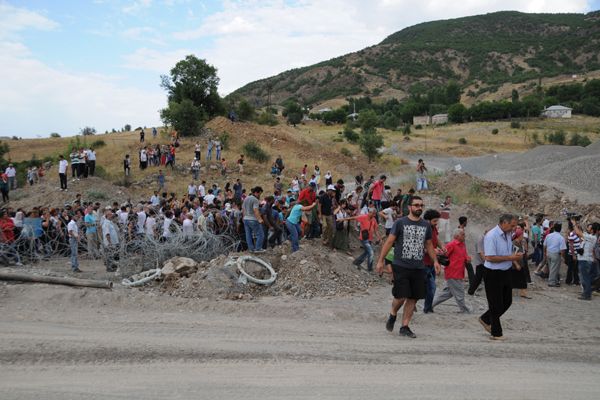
(411, 237)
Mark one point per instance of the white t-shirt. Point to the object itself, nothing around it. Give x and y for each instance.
(192, 189)
(209, 198)
(122, 217)
(201, 191)
(150, 223)
(72, 227)
(154, 200)
(11, 172)
(141, 219)
(62, 166)
(91, 155)
(143, 156)
(188, 227)
(389, 217)
(167, 227)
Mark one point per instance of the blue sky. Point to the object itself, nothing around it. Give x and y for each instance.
(70, 64)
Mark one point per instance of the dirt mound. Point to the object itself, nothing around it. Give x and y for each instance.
(314, 271)
(47, 193)
(526, 199)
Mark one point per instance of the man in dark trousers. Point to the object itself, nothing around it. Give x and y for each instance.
(499, 257)
(411, 237)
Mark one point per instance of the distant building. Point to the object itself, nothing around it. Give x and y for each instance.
(323, 110)
(439, 119)
(557, 112)
(421, 120)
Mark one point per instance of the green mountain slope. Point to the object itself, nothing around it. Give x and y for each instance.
(485, 50)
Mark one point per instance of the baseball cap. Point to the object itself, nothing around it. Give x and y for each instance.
(330, 187)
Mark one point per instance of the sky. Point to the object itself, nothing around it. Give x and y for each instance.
(65, 65)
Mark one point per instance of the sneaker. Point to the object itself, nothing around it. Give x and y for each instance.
(584, 298)
(488, 328)
(554, 285)
(389, 325)
(77, 270)
(405, 331)
(500, 338)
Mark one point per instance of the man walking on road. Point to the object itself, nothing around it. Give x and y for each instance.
(499, 257)
(411, 237)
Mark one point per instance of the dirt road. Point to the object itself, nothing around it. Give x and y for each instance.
(72, 343)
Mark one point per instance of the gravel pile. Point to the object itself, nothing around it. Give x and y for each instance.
(314, 271)
(575, 170)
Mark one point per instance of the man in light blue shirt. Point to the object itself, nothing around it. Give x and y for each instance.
(91, 233)
(554, 250)
(498, 251)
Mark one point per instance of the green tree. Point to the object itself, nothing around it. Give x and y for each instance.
(184, 116)
(370, 142)
(55, 135)
(293, 112)
(245, 110)
(457, 113)
(191, 92)
(4, 149)
(390, 120)
(368, 120)
(514, 95)
(453, 92)
(87, 131)
(127, 128)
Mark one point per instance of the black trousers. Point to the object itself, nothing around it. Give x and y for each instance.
(63, 180)
(572, 270)
(91, 167)
(498, 290)
(475, 278)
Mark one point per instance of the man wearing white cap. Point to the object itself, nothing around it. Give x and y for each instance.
(326, 207)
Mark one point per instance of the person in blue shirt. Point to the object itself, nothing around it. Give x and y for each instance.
(293, 220)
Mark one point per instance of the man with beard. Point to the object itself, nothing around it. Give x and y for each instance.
(411, 237)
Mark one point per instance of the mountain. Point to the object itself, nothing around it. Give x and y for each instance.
(479, 52)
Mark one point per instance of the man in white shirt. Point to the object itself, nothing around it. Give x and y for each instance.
(191, 191)
(155, 200)
(554, 250)
(150, 225)
(91, 161)
(11, 173)
(188, 226)
(202, 189)
(62, 172)
(167, 225)
(110, 241)
(210, 197)
(141, 219)
(73, 232)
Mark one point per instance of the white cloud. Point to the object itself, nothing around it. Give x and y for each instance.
(153, 60)
(144, 34)
(13, 20)
(136, 6)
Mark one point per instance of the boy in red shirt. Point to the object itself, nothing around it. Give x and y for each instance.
(454, 273)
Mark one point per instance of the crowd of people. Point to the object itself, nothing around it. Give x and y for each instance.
(415, 244)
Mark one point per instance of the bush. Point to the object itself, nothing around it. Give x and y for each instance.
(98, 143)
(350, 135)
(558, 137)
(419, 126)
(255, 152)
(224, 139)
(126, 128)
(579, 140)
(267, 118)
(495, 131)
(100, 172)
(96, 196)
(346, 152)
(406, 130)
(462, 140)
(55, 135)
(515, 125)
(535, 137)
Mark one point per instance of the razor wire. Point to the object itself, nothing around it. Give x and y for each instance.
(134, 253)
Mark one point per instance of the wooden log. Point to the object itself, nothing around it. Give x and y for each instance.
(25, 277)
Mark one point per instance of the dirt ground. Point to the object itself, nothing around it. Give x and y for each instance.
(77, 343)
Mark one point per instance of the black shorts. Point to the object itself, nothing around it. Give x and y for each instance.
(408, 283)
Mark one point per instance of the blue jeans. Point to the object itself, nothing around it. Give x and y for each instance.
(218, 154)
(74, 261)
(294, 231)
(429, 288)
(209, 154)
(252, 227)
(367, 253)
(586, 272)
(421, 184)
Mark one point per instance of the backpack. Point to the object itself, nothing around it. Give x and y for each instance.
(406, 199)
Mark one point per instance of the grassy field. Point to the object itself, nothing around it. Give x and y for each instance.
(311, 143)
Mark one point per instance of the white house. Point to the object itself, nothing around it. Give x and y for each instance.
(557, 112)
